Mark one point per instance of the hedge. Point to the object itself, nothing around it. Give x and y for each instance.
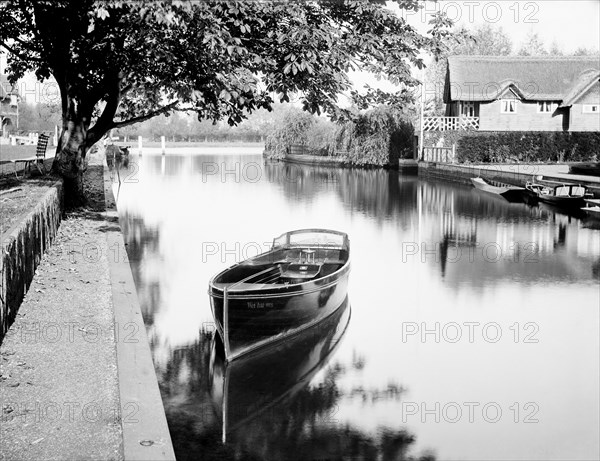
(522, 146)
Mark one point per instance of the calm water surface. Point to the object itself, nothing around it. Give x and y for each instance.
(471, 329)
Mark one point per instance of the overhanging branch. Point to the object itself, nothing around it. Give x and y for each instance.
(145, 117)
(19, 55)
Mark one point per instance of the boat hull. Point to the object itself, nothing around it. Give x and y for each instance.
(511, 194)
(257, 318)
(243, 391)
(562, 202)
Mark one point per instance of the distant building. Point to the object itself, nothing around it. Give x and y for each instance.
(520, 93)
(9, 104)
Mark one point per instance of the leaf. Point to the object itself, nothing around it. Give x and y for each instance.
(102, 13)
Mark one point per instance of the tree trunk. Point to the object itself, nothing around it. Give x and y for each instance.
(69, 162)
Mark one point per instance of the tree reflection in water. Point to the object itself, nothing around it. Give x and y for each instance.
(273, 411)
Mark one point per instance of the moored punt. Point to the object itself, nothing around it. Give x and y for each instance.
(301, 281)
(565, 195)
(507, 191)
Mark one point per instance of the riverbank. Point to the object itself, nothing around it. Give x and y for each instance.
(404, 165)
(516, 174)
(76, 377)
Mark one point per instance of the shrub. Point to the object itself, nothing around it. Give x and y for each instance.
(378, 137)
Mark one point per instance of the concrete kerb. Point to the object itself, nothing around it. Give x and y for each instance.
(145, 431)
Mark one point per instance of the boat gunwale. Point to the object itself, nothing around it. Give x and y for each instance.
(266, 292)
(216, 291)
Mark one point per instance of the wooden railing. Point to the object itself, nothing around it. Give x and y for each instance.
(450, 123)
(439, 154)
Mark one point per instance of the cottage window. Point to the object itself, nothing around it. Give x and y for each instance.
(467, 108)
(591, 108)
(544, 106)
(508, 106)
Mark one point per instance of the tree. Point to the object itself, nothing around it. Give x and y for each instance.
(485, 40)
(583, 51)
(555, 49)
(533, 46)
(121, 62)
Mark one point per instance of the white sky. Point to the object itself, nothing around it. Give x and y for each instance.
(571, 23)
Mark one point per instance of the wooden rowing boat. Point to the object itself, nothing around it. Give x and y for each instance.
(299, 282)
(565, 195)
(507, 191)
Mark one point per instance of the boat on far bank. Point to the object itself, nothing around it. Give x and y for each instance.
(588, 169)
(507, 191)
(592, 208)
(560, 194)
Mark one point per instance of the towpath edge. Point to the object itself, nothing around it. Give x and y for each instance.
(145, 431)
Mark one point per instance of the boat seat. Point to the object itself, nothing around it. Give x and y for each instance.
(301, 271)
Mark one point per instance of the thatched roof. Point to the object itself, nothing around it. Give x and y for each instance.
(583, 84)
(535, 78)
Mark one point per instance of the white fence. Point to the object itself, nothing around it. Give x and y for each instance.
(439, 154)
(450, 123)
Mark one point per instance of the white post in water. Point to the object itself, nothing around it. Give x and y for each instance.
(139, 145)
(162, 144)
(55, 139)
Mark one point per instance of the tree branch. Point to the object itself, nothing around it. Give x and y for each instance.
(26, 45)
(19, 55)
(145, 117)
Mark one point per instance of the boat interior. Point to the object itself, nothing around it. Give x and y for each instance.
(283, 266)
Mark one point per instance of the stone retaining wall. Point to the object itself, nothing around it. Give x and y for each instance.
(22, 249)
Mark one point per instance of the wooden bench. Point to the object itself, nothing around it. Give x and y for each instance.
(38, 159)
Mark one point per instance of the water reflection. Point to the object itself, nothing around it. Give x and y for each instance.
(424, 253)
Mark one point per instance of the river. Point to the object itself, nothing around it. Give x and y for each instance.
(471, 329)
